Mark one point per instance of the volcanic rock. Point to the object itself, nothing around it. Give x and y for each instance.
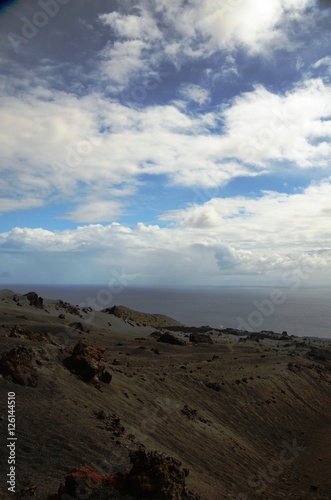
(157, 476)
(153, 476)
(168, 338)
(82, 482)
(19, 365)
(35, 300)
(69, 308)
(200, 338)
(214, 385)
(86, 362)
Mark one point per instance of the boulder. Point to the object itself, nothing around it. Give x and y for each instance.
(200, 338)
(69, 308)
(86, 362)
(214, 385)
(83, 482)
(19, 365)
(168, 338)
(153, 476)
(35, 300)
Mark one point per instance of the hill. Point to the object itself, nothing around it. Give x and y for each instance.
(106, 409)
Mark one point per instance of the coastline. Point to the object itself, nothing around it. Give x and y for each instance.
(222, 406)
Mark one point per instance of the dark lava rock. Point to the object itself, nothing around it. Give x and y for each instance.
(156, 476)
(19, 365)
(35, 300)
(214, 385)
(69, 308)
(86, 361)
(106, 377)
(153, 476)
(168, 338)
(200, 338)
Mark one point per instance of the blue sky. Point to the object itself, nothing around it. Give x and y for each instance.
(178, 142)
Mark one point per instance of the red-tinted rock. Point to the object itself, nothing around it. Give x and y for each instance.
(83, 482)
(153, 476)
(86, 361)
(19, 365)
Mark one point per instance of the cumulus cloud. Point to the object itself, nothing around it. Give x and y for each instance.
(295, 127)
(60, 146)
(209, 26)
(265, 237)
(272, 221)
(176, 31)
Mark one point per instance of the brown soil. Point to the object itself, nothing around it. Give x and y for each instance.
(250, 420)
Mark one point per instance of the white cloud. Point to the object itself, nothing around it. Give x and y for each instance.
(102, 210)
(13, 204)
(295, 127)
(275, 220)
(122, 61)
(325, 61)
(207, 26)
(141, 27)
(176, 31)
(59, 145)
(238, 236)
(195, 93)
(134, 52)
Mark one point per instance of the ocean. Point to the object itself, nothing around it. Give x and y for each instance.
(303, 311)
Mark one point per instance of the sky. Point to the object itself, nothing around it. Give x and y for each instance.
(171, 142)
